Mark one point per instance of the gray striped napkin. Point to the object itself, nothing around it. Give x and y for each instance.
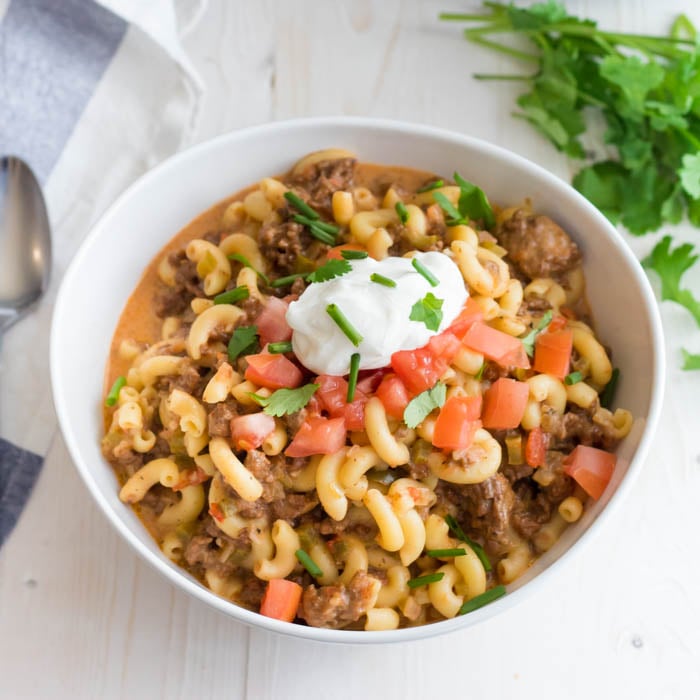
(53, 55)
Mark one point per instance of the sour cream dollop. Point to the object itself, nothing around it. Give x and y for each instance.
(380, 314)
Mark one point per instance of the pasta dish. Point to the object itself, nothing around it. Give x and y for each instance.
(360, 396)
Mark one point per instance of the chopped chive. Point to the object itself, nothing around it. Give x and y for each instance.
(284, 281)
(331, 229)
(301, 206)
(573, 378)
(428, 578)
(380, 279)
(354, 254)
(344, 324)
(425, 272)
(402, 212)
(232, 296)
(432, 186)
(480, 373)
(456, 552)
(461, 535)
(449, 209)
(308, 563)
(352, 378)
(608, 393)
(481, 600)
(246, 263)
(113, 395)
(278, 348)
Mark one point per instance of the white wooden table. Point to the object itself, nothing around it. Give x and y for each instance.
(82, 617)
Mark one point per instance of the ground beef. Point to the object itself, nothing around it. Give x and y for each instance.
(538, 246)
(268, 473)
(219, 420)
(188, 380)
(575, 427)
(515, 472)
(172, 301)
(294, 421)
(202, 553)
(252, 307)
(158, 498)
(128, 461)
(283, 243)
(293, 505)
(335, 607)
(252, 592)
(320, 180)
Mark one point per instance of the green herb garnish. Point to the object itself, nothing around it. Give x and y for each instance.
(233, 295)
(573, 378)
(244, 338)
(452, 212)
(320, 230)
(690, 361)
(424, 580)
(430, 187)
(354, 254)
(301, 206)
(380, 279)
(329, 270)
(113, 395)
(402, 212)
(352, 377)
(424, 404)
(285, 401)
(308, 563)
(457, 531)
(342, 321)
(428, 310)
(424, 272)
(608, 394)
(480, 373)
(529, 340)
(473, 203)
(484, 599)
(279, 348)
(670, 266)
(456, 552)
(246, 263)
(289, 279)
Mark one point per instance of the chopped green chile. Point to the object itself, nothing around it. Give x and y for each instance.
(514, 445)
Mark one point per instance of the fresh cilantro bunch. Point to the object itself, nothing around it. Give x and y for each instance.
(647, 88)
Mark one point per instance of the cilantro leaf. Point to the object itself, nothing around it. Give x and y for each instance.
(473, 203)
(449, 209)
(425, 403)
(690, 361)
(633, 77)
(246, 263)
(529, 340)
(285, 401)
(690, 174)
(670, 266)
(243, 341)
(333, 268)
(428, 310)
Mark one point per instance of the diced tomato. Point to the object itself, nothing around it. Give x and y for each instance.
(369, 379)
(417, 369)
(553, 353)
(504, 404)
(336, 252)
(354, 413)
(249, 431)
(444, 347)
(318, 436)
(457, 423)
(216, 512)
(393, 395)
(471, 313)
(273, 371)
(495, 345)
(332, 392)
(272, 322)
(557, 323)
(281, 599)
(191, 477)
(591, 468)
(536, 448)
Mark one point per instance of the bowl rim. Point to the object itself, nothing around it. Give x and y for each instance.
(253, 619)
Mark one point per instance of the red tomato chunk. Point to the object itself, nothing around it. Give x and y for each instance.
(591, 468)
(273, 371)
(393, 395)
(553, 353)
(272, 322)
(318, 436)
(495, 345)
(504, 404)
(249, 432)
(457, 423)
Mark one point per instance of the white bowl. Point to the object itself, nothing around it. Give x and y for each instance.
(110, 262)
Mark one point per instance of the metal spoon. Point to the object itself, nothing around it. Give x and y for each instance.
(25, 241)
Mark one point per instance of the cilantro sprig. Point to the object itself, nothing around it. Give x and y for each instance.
(285, 401)
(529, 340)
(425, 403)
(328, 271)
(428, 310)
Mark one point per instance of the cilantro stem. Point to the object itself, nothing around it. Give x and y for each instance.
(522, 55)
(342, 321)
(352, 378)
